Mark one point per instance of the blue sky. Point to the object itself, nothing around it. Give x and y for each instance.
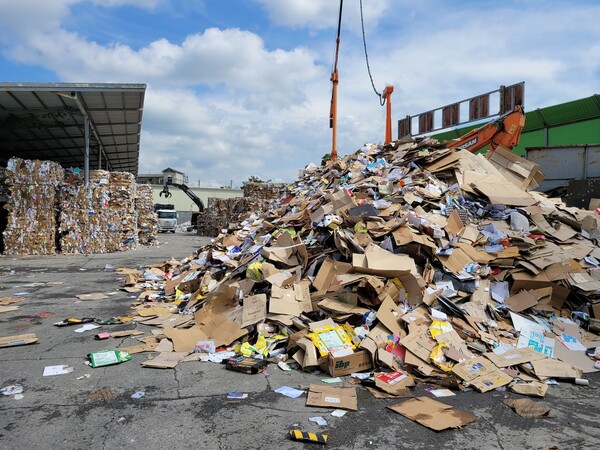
(239, 88)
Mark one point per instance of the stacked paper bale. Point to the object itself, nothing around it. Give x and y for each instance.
(123, 217)
(32, 203)
(74, 207)
(99, 214)
(261, 195)
(147, 219)
(84, 225)
(219, 213)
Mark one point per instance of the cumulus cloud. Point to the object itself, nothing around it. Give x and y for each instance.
(323, 14)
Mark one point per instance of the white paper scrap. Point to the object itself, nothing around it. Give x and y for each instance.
(442, 392)
(318, 420)
(338, 412)
(361, 376)
(87, 327)
(289, 391)
(57, 370)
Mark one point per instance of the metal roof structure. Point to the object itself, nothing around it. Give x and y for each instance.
(563, 114)
(48, 121)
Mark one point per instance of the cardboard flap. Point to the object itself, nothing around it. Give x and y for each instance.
(433, 414)
(332, 397)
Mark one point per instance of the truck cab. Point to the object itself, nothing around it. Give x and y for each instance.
(167, 220)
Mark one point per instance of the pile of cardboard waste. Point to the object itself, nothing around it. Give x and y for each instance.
(410, 262)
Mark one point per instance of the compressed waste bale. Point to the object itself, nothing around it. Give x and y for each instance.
(32, 206)
(147, 219)
(122, 215)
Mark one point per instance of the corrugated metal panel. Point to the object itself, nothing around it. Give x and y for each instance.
(570, 112)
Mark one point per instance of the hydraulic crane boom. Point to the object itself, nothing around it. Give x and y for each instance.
(185, 189)
(505, 131)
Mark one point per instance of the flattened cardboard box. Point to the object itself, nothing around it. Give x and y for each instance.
(332, 397)
(433, 414)
(515, 357)
(344, 365)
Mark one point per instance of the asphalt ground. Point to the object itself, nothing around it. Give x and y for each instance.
(187, 407)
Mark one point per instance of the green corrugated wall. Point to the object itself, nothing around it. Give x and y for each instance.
(586, 132)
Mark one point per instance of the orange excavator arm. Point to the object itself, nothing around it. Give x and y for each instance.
(505, 131)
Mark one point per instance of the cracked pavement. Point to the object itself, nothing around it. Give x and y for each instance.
(187, 407)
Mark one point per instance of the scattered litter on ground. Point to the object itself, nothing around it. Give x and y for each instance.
(57, 370)
(318, 420)
(527, 408)
(289, 391)
(108, 358)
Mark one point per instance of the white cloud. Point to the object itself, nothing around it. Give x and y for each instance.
(323, 14)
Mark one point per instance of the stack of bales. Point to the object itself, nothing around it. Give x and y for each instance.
(32, 206)
(123, 217)
(147, 220)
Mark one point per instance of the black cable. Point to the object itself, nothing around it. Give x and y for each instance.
(362, 24)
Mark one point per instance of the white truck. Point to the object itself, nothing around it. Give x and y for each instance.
(167, 218)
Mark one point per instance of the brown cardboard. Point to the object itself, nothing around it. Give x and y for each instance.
(283, 301)
(527, 408)
(20, 339)
(515, 357)
(381, 394)
(341, 200)
(377, 261)
(491, 380)
(359, 361)
(433, 414)
(219, 329)
(332, 397)
(552, 368)
(185, 340)
(396, 386)
(386, 359)
(389, 315)
(420, 344)
(473, 368)
(502, 192)
(457, 261)
(455, 225)
(342, 308)
(165, 360)
(533, 388)
(309, 357)
(282, 251)
(325, 276)
(522, 301)
(302, 292)
(575, 358)
(405, 235)
(254, 310)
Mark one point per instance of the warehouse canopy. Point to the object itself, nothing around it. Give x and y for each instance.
(47, 121)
